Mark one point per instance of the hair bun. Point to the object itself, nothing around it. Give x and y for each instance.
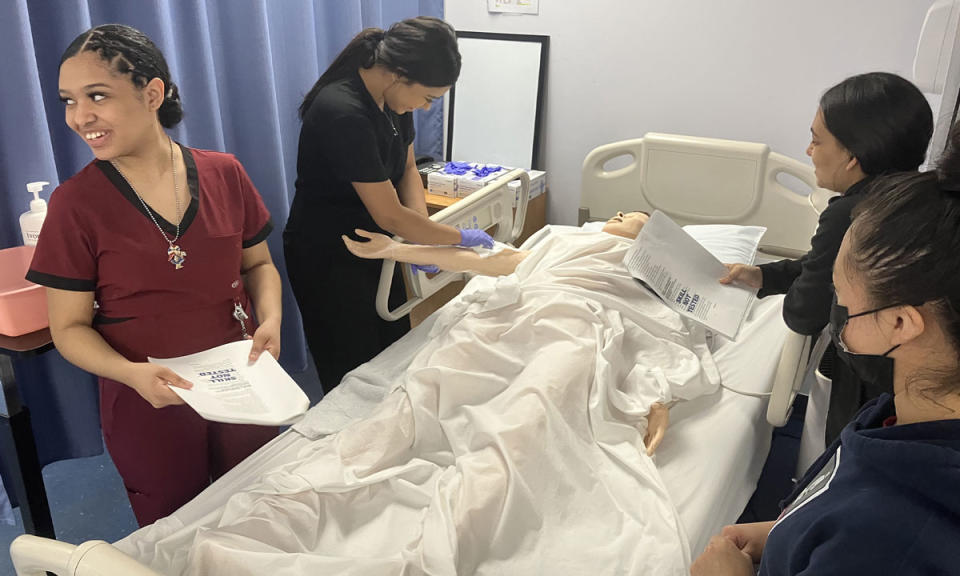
(171, 111)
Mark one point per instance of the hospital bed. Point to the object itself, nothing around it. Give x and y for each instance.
(716, 445)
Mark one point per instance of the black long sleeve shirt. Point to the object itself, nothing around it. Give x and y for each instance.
(808, 282)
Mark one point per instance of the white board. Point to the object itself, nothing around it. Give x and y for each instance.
(494, 107)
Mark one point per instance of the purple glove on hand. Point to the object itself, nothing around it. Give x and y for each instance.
(426, 269)
(474, 237)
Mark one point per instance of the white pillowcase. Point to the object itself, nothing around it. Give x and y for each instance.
(730, 243)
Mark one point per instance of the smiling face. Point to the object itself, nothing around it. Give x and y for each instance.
(404, 96)
(105, 108)
(626, 225)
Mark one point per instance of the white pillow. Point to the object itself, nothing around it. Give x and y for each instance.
(730, 243)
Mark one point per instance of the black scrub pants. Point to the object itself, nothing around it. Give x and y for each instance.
(336, 293)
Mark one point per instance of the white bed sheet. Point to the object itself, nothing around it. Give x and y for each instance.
(710, 460)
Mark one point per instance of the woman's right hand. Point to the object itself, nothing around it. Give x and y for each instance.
(749, 538)
(749, 276)
(153, 382)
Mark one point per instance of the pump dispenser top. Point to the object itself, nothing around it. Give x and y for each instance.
(32, 221)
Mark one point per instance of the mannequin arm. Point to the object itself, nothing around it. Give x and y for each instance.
(451, 258)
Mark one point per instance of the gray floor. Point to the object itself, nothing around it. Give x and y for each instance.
(87, 499)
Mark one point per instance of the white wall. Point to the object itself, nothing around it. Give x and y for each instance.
(738, 69)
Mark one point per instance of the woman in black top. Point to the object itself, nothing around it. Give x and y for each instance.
(867, 125)
(356, 169)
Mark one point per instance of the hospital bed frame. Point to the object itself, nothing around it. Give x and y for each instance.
(693, 180)
(712, 181)
(490, 206)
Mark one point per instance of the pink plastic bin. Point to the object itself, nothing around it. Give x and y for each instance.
(23, 304)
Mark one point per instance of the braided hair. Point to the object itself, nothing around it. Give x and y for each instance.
(129, 51)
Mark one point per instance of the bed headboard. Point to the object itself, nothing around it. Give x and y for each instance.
(705, 181)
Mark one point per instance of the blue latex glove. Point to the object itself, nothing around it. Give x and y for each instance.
(456, 168)
(475, 237)
(427, 269)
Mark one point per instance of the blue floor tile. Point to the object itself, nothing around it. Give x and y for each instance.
(87, 502)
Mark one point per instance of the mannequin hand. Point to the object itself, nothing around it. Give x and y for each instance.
(378, 246)
(152, 382)
(657, 421)
(749, 276)
(474, 237)
(267, 337)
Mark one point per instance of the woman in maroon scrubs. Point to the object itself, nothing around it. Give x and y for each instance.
(153, 249)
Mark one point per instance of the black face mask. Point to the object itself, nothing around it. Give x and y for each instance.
(871, 369)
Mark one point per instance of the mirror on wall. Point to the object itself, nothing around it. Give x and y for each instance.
(496, 107)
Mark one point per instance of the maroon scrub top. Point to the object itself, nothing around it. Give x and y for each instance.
(98, 237)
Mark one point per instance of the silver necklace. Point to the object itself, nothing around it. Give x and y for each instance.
(389, 119)
(175, 255)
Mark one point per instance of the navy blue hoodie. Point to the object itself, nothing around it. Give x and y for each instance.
(880, 500)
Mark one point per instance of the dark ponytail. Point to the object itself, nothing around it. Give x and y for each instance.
(905, 245)
(129, 51)
(883, 120)
(361, 52)
(422, 50)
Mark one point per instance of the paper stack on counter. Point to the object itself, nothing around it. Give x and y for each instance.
(227, 389)
(685, 275)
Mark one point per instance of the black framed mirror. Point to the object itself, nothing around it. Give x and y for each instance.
(495, 110)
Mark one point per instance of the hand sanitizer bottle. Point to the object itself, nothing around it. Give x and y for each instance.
(32, 221)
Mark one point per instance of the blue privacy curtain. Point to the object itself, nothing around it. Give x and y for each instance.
(242, 67)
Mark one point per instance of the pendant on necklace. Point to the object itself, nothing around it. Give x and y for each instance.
(176, 256)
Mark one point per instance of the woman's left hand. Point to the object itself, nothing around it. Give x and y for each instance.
(267, 337)
(722, 558)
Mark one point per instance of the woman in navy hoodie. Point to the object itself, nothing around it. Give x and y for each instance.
(885, 497)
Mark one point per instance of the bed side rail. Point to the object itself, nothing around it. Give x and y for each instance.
(705, 181)
(490, 206)
(789, 377)
(35, 556)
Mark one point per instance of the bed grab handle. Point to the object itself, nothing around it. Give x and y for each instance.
(818, 197)
(35, 556)
(490, 206)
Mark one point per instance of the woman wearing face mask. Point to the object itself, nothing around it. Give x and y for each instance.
(356, 169)
(883, 499)
(154, 249)
(865, 126)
